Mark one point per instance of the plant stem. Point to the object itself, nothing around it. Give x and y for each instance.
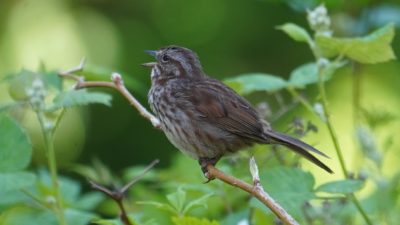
(301, 99)
(51, 157)
(321, 86)
(328, 123)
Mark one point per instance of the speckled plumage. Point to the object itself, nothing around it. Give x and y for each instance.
(203, 117)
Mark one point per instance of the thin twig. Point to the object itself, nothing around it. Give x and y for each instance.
(117, 83)
(118, 194)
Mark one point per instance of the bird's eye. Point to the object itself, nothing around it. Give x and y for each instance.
(165, 58)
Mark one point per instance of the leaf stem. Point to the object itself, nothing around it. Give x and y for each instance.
(301, 99)
(332, 133)
(321, 86)
(52, 164)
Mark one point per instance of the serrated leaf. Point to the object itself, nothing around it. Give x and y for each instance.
(79, 98)
(177, 200)
(159, 205)
(15, 148)
(195, 203)
(373, 48)
(248, 83)
(15, 181)
(192, 221)
(341, 186)
(290, 187)
(296, 32)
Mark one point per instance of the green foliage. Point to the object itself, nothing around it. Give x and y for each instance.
(248, 83)
(280, 182)
(24, 215)
(308, 74)
(178, 204)
(15, 147)
(14, 181)
(79, 98)
(296, 32)
(192, 221)
(373, 48)
(28, 194)
(368, 144)
(341, 187)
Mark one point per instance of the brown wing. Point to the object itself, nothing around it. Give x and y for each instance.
(222, 107)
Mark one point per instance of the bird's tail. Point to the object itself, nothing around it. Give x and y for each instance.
(299, 147)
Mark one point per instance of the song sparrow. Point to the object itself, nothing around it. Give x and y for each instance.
(203, 117)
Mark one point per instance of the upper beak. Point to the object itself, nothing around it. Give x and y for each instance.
(151, 52)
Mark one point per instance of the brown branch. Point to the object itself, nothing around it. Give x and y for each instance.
(117, 84)
(256, 189)
(118, 194)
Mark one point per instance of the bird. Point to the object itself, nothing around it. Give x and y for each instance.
(204, 118)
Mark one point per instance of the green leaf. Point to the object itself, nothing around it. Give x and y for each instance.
(373, 48)
(15, 181)
(192, 221)
(304, 75)
(308, 74)
(377, 117)
(197, 202)
(15, 148)
(52, 79)
(291, 187)
(177, 200)
(296, 32)
(107, 221)
(385, 198)
(70, 189)
(76, 217)
(79, 98)
(341, 186)
(89, 201)
(159, 205)
(248, 83)
(24, 215)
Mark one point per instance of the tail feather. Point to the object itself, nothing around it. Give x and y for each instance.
(299, 147)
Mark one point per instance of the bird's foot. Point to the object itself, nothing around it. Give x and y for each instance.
(204, 162)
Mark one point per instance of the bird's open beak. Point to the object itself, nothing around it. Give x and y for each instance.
(152, 53)
(149, 64)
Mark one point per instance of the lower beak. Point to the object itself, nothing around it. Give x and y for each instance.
(149, 64)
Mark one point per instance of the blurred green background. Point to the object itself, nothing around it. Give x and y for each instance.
(231, 38)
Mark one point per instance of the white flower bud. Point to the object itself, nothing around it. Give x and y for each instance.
(319, 20)
(37, 94)
(323, 62)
